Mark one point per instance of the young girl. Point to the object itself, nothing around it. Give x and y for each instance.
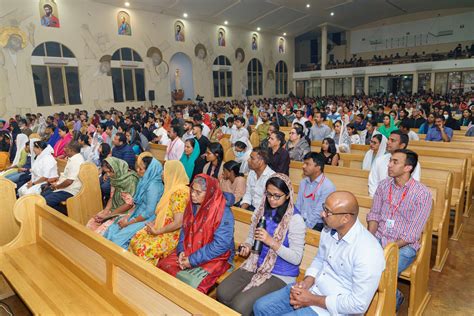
(329, 152)
(354, 135)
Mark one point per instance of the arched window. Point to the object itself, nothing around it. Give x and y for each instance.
(255, 77)
(281, 78)
(55, 75)
(128, 75)
(222, 77)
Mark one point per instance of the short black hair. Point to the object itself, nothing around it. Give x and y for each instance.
(198, 126)
(122, 137)
(262, 153)
(441, 117)
(74, 146)
(403, 137)
(178, 130)
(317, 159)
(240, 119)
(411, 158)
(240, 145)
(405, 124)
(281, 137)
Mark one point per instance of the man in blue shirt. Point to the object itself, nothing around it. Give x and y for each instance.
(313, 191)
(439, 133)
(360, 123)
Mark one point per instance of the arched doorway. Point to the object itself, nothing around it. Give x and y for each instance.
(181, 75)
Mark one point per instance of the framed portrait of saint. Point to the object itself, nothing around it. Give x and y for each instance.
(281, 45)
(221, 37)
(49, 13)
(200, 51)
(239, 55)
(124, 24)
(179, 31)
(254, 41)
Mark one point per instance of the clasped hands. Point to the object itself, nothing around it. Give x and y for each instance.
(183, 261)
(300, 296)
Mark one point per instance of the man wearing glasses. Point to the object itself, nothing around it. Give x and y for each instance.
(345, 273)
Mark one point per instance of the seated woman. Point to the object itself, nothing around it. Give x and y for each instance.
(215, 134)
(233, 181)
(160, 237)
(283, 244)
(133, 139)
(44, 168)
(122, 183)
(24, 170)
(242, 153)
(87, 151)
(341, 137)
(20, 159)
(206, 243)
(297, 146)
(378, 144)
(190, 154)
(329, 152)
(65, 138)
(215, 159)
(148, 193)
(388, 126)
(353, 134)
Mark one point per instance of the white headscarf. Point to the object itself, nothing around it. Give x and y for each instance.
(344, 144)
(243, 160)
(44, 165)
(32, 145)
(369, 155)
(21, 140)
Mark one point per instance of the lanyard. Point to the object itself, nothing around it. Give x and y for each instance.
(312, 195)
(395, 207)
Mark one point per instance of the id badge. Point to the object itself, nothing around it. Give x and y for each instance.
(390, 224)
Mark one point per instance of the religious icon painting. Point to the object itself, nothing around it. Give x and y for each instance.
(179, 31)
(254, 41)
(200, 51)
(239, 55)
(221, 37)
(281, 45)
(124, 24)
(49, 13)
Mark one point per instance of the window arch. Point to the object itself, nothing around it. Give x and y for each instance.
(222, 77)
(55, 75)
(281, 78)
(128, 75)
(255, 77)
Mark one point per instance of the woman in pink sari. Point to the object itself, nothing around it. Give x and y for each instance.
(65, 139)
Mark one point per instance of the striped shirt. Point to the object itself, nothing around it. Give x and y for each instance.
(408, 219)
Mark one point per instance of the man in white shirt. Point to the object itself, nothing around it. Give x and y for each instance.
(197, 118)
(188, 131)
(300, 119)
(231, 128)
(379, 170)
(404, 127)
(241, 133)
(68, 184)
(175, 149)
(345, 273)
(161, 133)
(259, 173)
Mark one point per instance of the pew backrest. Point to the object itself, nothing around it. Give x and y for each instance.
(9, 227)
(158, 151)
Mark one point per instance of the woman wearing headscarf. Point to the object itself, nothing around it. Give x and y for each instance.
(190, 154)
(205, 249)
(44, 168)
(65, 138)
(341, 137)
(160, 237)
(388, 126)
(148, 193)
(378, 145)
(283, 244)
(14, 132)
(242, 153)
(122, 183)
(20, 158)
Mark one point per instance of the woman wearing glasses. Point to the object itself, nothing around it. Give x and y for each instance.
(283, 242)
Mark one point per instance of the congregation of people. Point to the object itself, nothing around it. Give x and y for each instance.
(176, 214)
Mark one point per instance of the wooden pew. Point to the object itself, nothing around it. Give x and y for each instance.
(58, 266)
(355, 181)
(4, 160)
(88, 202)
(456, 138)
(158, 151)
(61, 165)
(8, 225)
(254, 139)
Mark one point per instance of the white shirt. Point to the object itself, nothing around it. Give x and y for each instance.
(301, 121)
(71, 172)
(188, 135)
(255, 187)
(379, 172)
(413, 136)
(175, 149)
(240, 134)
(205, 130)
(347, 270)
(164, 135)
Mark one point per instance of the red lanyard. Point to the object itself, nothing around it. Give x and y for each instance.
(312, 195)
(395, 207)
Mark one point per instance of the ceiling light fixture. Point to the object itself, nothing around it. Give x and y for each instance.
(258, 29)
(308, 5)
(284, 34)
(332, 13)
(127, 4)
(226, 22)
(185, 15)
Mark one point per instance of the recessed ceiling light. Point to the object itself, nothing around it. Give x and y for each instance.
(332, 13)
(258, 29)
(185, 15)
(308, 5)
(127, 4)
(284, 34)
(226, 22)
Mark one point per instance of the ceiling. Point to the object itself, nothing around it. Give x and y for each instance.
(289, 16)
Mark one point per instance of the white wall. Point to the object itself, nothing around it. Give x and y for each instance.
(89, 29)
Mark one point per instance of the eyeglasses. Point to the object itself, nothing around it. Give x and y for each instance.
(328, 212)
(275, 197)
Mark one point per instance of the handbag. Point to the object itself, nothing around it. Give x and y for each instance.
(192, 277)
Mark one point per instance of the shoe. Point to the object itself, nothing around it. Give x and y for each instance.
(400, 300)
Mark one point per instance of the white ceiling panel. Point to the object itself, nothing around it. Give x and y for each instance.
(278, 18)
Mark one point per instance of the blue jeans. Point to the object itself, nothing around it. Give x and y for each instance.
(406, 256)
(14, 177)
(54, 199)
(278, 303)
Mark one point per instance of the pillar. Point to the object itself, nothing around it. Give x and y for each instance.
(353, 85)
(323, 87)
(414, 88)
(324, 46)
(366, 84)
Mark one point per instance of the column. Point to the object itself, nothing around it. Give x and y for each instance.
(432, 81)
(366, 84)
(414, 88)
(323, 87)
(353, 85)
(324, 46)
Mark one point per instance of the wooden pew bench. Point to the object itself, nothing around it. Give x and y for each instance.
(158, 151)
(8, 225)
(57, 266)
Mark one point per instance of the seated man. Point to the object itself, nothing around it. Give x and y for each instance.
(345, 273)
(259, 173)
(404, 127)
(68, 184)
(400, 209)
(313, 191)
(123, 151)
(439, 133)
